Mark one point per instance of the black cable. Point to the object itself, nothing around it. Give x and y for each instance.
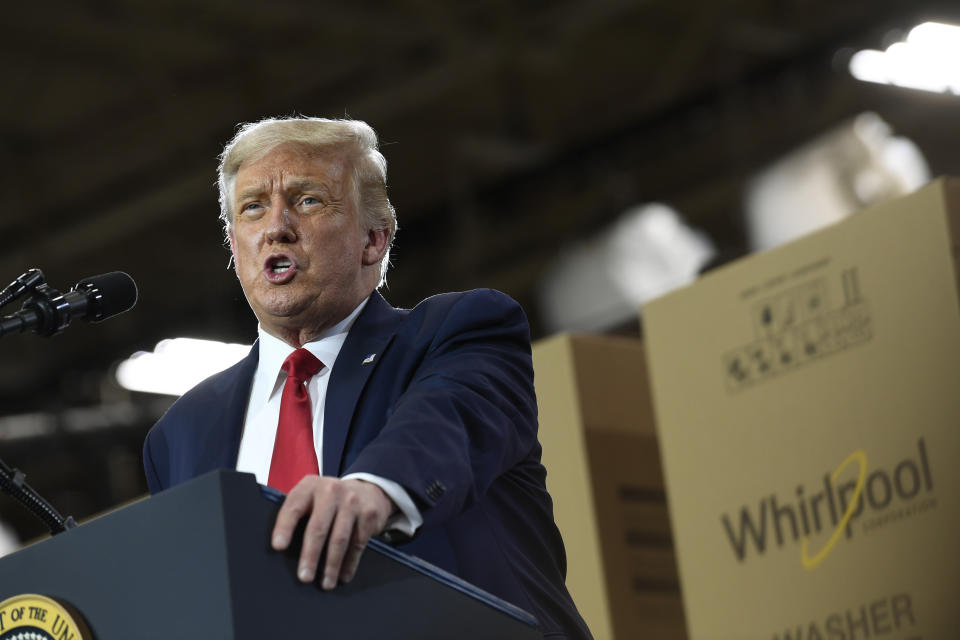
(13, 482)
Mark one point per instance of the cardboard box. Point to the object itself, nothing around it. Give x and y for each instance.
(808, 406)
(603, 471)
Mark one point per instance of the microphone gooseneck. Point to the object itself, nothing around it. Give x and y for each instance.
(13, 482)
(27, 281)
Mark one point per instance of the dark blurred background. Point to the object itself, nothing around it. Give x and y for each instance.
(514, 132)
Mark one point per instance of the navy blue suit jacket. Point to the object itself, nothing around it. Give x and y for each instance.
(447, 409)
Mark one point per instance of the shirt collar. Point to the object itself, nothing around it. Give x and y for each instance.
(273, 351)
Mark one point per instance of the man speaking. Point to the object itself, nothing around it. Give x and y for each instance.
(370, 418)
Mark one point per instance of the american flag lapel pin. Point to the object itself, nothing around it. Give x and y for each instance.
(369, 359)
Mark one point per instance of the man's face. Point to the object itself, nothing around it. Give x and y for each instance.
(302, 256)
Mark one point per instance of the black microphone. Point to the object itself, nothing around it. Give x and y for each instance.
(104, 296)
(94, 299)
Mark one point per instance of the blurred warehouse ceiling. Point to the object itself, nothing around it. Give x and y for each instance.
(511, 130)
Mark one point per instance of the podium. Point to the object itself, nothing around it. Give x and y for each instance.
(195, 562)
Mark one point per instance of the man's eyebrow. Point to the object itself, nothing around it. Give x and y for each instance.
(305, 184)
(294, 184)
(251, 191)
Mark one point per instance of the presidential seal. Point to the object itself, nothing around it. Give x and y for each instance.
(35, 617)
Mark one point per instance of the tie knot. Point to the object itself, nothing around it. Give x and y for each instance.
(301, 365)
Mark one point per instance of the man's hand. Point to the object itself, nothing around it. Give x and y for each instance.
(344, 515)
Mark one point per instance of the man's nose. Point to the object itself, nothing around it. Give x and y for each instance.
(281, 225)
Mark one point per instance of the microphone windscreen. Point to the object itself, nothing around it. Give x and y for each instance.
(113, 293)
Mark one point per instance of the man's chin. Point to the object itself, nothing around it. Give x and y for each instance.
(286, 316)
(284, 312)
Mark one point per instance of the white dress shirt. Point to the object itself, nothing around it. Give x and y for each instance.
(263, 414)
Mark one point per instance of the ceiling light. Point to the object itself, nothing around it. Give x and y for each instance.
(177, 364)
(925, 60)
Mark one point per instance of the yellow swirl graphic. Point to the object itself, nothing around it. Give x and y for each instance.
(811, 563)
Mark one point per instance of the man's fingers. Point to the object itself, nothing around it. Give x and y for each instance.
(352, 560)
(296, 505)
(340, 539)
(315, 536)
(343, 516)
(370, 520)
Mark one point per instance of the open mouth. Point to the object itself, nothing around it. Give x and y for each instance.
(279, 269)
(280, 265)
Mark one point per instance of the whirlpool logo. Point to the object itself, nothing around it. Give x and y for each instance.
(879, 496)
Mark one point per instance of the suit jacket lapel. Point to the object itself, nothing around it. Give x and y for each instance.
(369, 336)
(227, 418)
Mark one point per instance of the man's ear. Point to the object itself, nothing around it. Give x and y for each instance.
(375, 245)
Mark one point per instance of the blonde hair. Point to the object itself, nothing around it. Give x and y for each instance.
(355, 138)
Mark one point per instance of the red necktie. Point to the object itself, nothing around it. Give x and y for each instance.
(293, 454)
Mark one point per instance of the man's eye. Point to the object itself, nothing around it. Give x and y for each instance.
(310, 201)
(250, 207)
